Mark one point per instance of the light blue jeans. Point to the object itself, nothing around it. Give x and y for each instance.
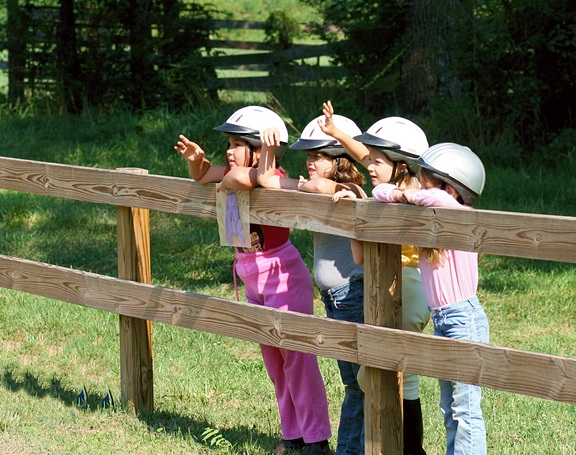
(460, 403)
(346, 303)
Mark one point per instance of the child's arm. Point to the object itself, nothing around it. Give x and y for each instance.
(388, 192)
(323, 185)
(435, 197)
(266, 172)
(358, 151)
(245, 178)
(356, 246)
(199, 167)
(239, 178)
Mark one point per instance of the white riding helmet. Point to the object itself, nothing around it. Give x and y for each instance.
(250, 121)
(398, 138)
(313, 138)
(458, 166)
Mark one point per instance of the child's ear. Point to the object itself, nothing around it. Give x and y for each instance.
(452, 191)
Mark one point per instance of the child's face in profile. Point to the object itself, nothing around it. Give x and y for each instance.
(380, 167)
(318, 164)
(238, 152)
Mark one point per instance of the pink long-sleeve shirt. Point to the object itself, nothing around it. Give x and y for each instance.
(456, 278)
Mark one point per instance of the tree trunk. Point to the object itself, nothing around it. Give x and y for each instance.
(141, 69)
(69, 64)
(16, 44)
(426, 69)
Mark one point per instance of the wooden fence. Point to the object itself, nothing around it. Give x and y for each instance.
(281, 67)
(382, 226)
(284, 67)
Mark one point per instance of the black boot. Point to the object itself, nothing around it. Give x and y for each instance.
(317, 448)
(413, 428)
(290, 446)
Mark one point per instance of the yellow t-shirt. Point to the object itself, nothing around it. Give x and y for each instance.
(409, 256)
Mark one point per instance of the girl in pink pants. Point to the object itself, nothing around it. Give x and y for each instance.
(274, 275)
(279, 279)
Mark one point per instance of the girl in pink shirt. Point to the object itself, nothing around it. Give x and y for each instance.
(451, 176)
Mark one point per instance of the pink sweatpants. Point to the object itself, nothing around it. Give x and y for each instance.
(278, 278)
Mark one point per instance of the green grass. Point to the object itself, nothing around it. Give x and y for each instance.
(212, 394)
(248, 10)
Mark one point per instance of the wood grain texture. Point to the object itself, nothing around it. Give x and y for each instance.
(136, 365)
(539, 375)
(527, 373)
(533, 236)
(545, 237)
(383, 307)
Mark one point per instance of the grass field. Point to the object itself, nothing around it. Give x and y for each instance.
(212, 394)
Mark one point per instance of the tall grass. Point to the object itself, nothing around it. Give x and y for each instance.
(211, 393)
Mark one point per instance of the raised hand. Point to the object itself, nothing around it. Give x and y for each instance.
(270, 137)
(188, 149)
(328, 126)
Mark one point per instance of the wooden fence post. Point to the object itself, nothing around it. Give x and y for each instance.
(136, 378)
(383, 307)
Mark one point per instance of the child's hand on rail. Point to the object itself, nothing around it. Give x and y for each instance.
(343, 194)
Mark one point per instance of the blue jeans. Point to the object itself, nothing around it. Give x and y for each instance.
(346, 303)
(460, 403)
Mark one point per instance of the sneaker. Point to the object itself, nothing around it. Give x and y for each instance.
(290, 446)
(317, 448)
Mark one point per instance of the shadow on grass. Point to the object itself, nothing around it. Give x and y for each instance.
(170, 423)
(16, 381)
(238, 436)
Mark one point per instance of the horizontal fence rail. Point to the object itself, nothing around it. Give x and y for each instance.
(284, 66)
(545, 237)
(512, 370)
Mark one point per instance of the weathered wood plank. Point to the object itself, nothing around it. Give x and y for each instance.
(545, 237)
(136, 366)
(539, 375)
(502, 233)
(194, 311)
(104, 186)
(243, 25)
(300, 74)
(527, 373)
(383, 307)
(236, 44)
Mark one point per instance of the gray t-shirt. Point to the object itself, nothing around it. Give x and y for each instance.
(333, 262)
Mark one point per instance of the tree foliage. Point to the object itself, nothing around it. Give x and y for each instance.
(519, 65)
(504, 66)
(139, 53)
(372, 45)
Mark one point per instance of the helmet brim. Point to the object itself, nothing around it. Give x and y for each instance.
(374, 141)
(312, 144)
(236, 129)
